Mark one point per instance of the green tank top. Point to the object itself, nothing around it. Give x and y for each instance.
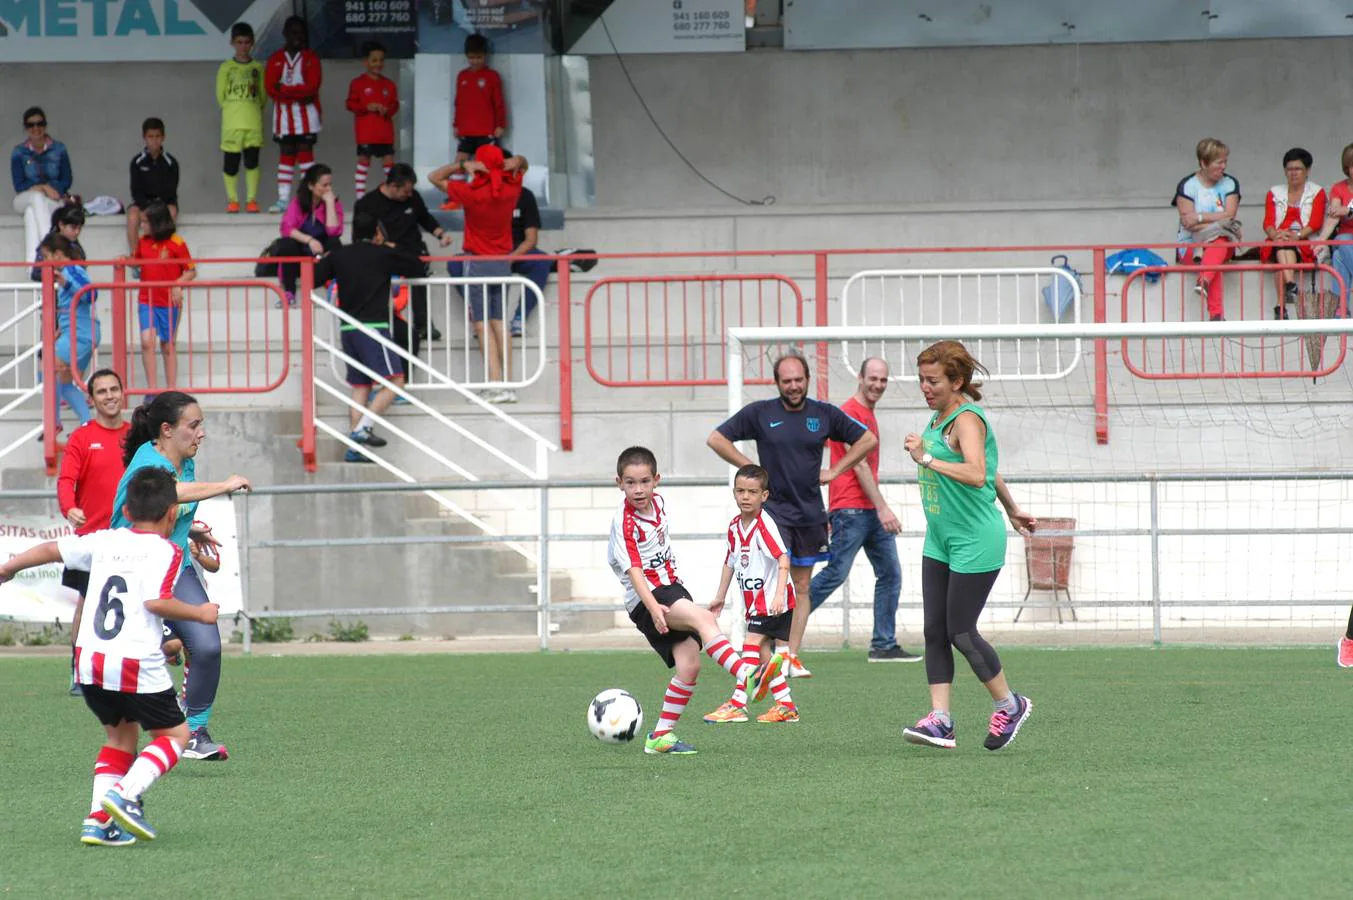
(964, 529)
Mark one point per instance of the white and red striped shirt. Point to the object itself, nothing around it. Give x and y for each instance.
(753, 554)
(293, 82)
(118, 647)
(642, 541)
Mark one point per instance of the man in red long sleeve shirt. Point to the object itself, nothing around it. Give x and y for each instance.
(90, 471)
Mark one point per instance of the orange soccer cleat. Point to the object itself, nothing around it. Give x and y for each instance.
(252, 207)
(233, 206)
(727, 713)
(1345, 653)
(779, 713)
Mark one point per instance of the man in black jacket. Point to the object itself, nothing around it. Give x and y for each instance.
(361, 272)
(404, 217)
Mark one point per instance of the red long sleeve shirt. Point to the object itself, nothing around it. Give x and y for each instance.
(480, 107)
(90, 470)
(372, 127)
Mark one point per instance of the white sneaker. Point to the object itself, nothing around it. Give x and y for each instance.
(796, 668)
(751, 21)
(506, 395)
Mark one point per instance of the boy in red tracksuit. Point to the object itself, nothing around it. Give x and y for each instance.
(292, 79)
(373, 100)
(481, 112)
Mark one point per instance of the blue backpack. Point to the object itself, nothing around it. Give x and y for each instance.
(1059, 293)
(1125, 262)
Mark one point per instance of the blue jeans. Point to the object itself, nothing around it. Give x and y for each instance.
(530, 266)
(851, 530)
(1341, 260)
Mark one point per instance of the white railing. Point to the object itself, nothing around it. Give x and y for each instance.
(20, 350)
(890, 298)
(537, 470)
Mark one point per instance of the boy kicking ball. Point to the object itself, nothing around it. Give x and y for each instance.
(659, 605)
(118, 654)
(758, 559)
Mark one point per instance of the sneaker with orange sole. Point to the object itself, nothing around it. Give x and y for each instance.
(794, 667)
(1345, 653)
(450, 204)
(233, 206)
(729, 712)
(252, 207)
(779, 713)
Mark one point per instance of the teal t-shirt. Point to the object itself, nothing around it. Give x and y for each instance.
(148, 457)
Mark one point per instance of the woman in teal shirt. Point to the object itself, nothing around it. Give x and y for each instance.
(964, 542)
(165, 433)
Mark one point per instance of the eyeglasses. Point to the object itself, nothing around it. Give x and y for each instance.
(36, 123)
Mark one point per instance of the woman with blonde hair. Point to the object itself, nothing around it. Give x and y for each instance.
(964, 543)
(1207, 202)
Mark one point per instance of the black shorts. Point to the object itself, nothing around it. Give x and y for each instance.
(76, 580)
(468, 145)
(150, 711)
(375, 149)
(296, 140)
(662, 644)
(771, 626)
(807, 543)
(372, 354)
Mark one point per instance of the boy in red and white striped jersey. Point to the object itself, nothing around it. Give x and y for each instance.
(118, 657)
(758, 559)
(659, 605)
(292, 79)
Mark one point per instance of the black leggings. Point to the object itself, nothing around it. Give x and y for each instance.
(952, 602)
(290, 273)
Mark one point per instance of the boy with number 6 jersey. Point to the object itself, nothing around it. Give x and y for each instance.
(758, 559)
(641, 555)
(117, 651)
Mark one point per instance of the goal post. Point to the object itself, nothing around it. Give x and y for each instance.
(1221, 508)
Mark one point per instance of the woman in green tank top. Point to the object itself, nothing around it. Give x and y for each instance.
(964, 543)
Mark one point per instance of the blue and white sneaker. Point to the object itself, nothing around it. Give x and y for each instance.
(930, 732)
(368, 438)
(128, 814)
(104, 834)
(354, 456)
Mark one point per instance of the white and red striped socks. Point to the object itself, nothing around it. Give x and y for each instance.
(360, 180)
(286, 169)
(160, 755)
(750, 650)
(304, 160)
(386, 170)
(723, 653)
(779, 689)
(111, 765)
(673, 705)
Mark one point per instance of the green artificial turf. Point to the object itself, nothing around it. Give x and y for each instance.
(1152, 773)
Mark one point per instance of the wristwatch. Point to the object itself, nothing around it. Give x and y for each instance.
(926, 460)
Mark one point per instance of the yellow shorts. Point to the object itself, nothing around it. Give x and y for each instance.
(238, 139)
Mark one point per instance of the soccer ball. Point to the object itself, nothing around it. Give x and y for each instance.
(615, 717)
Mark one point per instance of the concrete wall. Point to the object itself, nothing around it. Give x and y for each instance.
(1088, 123)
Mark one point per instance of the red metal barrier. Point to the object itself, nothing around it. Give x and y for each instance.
(678, 325)
(213, 337)
(1174, 298)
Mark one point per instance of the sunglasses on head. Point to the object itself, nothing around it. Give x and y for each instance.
(36, 123)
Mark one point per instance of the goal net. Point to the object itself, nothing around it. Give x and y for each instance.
(1193, 479)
